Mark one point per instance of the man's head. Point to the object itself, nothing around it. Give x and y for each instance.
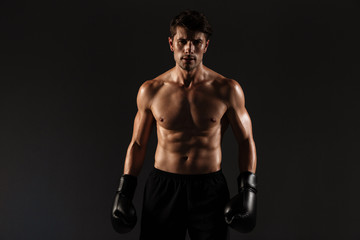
(191, 20)
(189, 38)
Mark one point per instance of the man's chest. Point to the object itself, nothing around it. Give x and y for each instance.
(175, 108)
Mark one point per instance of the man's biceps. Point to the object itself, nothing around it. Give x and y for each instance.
(241, 123)
(148, 116)
(146, 122)
(235, 116)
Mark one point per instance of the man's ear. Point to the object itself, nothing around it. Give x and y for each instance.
(171, 44)
(206, 45)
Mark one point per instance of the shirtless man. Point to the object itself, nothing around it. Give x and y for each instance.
(192, 107)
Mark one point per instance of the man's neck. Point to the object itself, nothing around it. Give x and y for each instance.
(188, 78)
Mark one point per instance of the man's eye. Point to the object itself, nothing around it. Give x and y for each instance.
(182, 41)
(197, 42)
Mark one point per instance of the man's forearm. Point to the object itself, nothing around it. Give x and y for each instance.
(134, 160)
(247, 155)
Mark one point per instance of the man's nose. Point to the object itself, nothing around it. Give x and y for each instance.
(189, 47)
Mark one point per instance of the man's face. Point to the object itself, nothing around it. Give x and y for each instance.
(188, 47)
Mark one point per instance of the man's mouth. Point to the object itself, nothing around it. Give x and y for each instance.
(188, 58)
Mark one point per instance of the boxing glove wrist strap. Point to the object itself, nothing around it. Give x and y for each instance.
(127, 185)
(247, 180)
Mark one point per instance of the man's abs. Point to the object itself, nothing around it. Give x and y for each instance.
(178, 152)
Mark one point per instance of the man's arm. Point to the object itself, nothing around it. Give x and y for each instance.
(240, 211)
(123, 215)
(142, 128)
(241, 125)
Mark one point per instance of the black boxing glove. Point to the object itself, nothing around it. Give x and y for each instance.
(123, 215)
(240, 212)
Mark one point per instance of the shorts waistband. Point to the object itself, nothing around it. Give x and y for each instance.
(203, 176)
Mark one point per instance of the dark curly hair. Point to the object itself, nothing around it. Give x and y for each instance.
(191, 20)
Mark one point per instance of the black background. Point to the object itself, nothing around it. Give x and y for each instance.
(69, 75)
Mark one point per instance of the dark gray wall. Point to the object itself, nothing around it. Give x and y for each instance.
(69, 74)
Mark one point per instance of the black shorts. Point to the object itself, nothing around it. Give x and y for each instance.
(174, 203)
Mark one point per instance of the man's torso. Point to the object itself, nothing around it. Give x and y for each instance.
(190, 123)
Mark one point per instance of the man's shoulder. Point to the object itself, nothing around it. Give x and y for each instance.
(148, 90)
(228, 88)
(150, 85)
(231, 84)
(226, 82)
(233, 92)
(221, 80)
(226, 85)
